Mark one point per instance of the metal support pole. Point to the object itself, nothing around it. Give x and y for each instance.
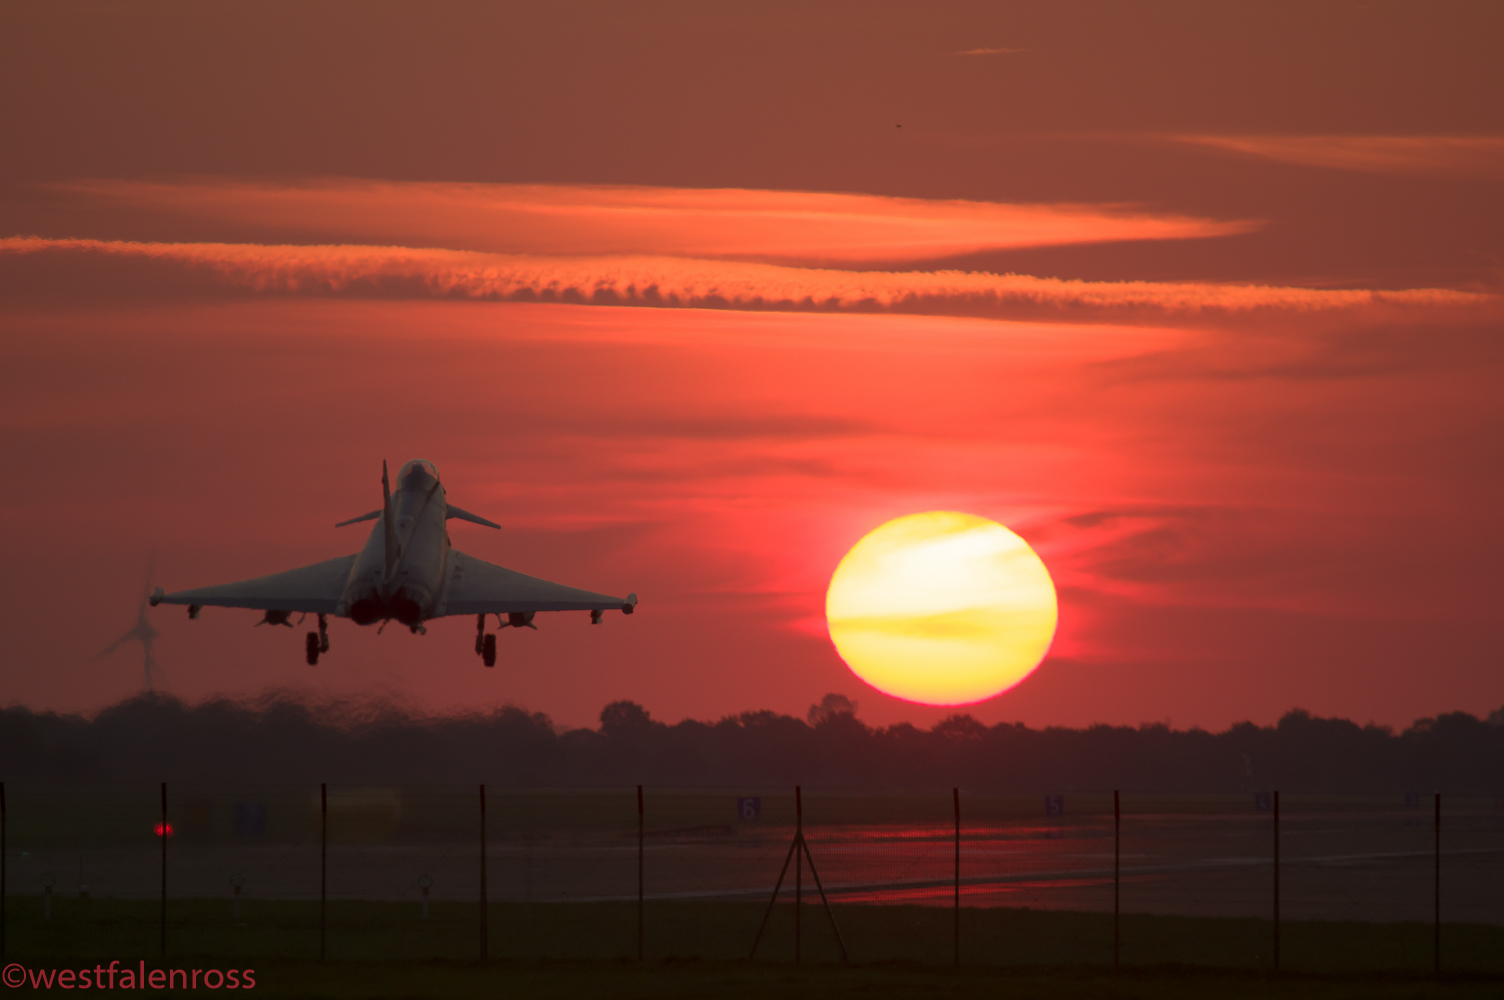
(485, 933)
(163, 831)
(803, 845)
(955, 794)
(798, 868)
(323, 869)
(1117, 871)
(640, 925)
(2, 868)
(1437, 941)
(799, 852)
(793, 847)
(1276, 881)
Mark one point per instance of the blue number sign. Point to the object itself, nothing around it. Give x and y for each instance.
(749, 810)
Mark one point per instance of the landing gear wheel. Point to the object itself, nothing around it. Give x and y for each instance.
(312, 646)
(488, 651)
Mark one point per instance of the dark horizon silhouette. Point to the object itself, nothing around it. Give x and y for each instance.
(281, 739)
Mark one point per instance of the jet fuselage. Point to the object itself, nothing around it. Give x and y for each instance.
(404, 585)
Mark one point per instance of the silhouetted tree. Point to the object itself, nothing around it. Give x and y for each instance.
(280, 739)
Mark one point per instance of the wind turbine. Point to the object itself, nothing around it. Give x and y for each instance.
(141, 632)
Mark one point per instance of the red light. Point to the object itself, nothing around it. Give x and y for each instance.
(160, 827)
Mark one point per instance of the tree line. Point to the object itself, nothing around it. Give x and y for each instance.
(280, 739)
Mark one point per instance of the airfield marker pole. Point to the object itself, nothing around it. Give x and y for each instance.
(1117, 870)
(1437, 931)
(2, 868)
(1276, 881)
(955, 794)
(639, 874)
(798, 868)
(323, 867)
(162, 830)
(485, 935)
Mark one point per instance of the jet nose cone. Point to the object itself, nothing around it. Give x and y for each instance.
(417, 473)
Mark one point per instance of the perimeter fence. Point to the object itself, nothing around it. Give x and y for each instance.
(1309, 882)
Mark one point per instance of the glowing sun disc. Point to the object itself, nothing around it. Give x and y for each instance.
(942, 608)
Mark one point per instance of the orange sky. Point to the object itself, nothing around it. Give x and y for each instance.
(1202, 304)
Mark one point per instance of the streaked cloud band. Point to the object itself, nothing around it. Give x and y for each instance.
(404, 272)
(1429, 155)
(806, 227)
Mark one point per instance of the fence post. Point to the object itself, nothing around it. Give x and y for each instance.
(323, 868)
(1437, 942)
(1276, 881)
(2, 868)
(163, 831)
(485, 936)
(955, 794)
(1117, 870)
(798, 868)
(639, 875)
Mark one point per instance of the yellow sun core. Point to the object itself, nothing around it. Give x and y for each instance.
(942, 608)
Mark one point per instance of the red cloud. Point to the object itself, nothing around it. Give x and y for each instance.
(691, 222)
(1431, 155)
(681, 282)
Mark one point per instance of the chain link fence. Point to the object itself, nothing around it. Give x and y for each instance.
(1309, 882)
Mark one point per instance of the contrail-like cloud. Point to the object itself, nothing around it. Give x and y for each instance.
(1426, 155)
(670, 282)
(805, 227)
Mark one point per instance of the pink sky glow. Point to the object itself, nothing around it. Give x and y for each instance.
(690, 299)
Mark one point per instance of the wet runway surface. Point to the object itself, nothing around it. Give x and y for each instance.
(1339, 860)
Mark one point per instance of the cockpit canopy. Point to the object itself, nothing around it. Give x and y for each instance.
(417, 474)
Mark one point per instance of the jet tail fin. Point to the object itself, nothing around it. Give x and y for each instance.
(389, 521)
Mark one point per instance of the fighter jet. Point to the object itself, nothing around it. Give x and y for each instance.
(407, 571)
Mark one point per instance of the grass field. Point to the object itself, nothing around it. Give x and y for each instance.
(375, 935)
(654, 980)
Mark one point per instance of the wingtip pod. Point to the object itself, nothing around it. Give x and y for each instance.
(629, 605)
(156, 597)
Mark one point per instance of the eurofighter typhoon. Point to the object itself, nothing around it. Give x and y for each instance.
(407, 571)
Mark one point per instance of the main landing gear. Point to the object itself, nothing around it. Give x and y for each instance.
(317, 642)
(485, 644)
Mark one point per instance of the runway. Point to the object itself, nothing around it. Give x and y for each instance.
(1344, 863)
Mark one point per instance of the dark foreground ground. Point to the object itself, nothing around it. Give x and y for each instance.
(445, 980)
(700, 949)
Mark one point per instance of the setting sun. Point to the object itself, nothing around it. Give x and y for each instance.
(941, 608)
